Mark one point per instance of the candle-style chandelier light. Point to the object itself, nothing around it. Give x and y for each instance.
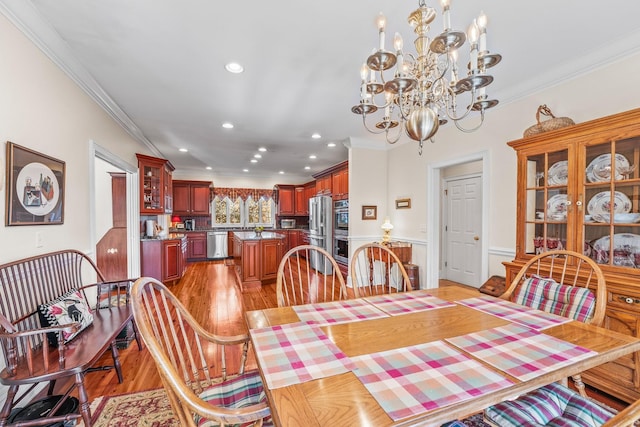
(422, 93)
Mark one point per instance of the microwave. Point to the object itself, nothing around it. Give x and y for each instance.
(287, 223)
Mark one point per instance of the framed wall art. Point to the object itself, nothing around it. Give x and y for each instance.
(35, 187)
(403, 203)
(369, 212)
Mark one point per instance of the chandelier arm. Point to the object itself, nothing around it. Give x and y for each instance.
(397, 138)
(469, 130)
(468, 110)
(375, 132)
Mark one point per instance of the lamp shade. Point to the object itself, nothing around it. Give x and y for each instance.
(175, 218)
(387, 226)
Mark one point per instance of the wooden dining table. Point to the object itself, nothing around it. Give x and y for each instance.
(343, 399)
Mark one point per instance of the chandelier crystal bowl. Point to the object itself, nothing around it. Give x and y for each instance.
(420, 89)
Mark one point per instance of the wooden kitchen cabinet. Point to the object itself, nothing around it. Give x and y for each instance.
(155, 182)
(340, 183)
(323, 185)
(286, 199)
(301, 205)
(271, 256)
(196, 246)
(191, 198)
(569, 181)
(163, 259)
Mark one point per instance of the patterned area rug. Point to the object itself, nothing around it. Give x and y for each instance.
(152, 409)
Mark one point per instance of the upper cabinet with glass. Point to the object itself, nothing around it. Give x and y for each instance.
(579, 189)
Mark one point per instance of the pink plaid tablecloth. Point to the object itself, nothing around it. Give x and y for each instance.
(331, 313)
(295, 353)
(407, 302)
(516, 313)
(413, 380)
(519, 351)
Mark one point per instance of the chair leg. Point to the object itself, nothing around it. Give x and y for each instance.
(52, 385)
(85, 409)
(116, 361)
(577, 380)
(8, 405)
(135, 335)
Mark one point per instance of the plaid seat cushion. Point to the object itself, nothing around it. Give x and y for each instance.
(548, 295)
(551, 405)
(243, 390)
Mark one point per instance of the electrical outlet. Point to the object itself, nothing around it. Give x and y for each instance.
(39, 239)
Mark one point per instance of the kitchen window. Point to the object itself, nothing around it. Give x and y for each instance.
(243, 213)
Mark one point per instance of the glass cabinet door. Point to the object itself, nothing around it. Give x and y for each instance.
(611, 222)
(151, 188)
(546, 202)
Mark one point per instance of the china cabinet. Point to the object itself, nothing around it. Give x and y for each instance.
(578, 188)
(155, 185)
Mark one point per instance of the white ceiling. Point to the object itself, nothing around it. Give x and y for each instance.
(157, 66)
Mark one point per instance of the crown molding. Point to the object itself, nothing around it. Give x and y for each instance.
(28, 20)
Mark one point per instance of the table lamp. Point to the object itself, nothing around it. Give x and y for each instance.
(386, 227)
(175, 219)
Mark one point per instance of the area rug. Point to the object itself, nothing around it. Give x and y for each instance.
(152, 409)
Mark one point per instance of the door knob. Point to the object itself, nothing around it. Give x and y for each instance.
(476, 237)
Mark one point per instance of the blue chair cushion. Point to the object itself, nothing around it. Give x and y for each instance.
(243, 390)
(551, 405)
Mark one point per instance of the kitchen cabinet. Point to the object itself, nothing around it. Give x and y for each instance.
(164, 259)
(286, 199)
(310, 191)
(301, 205)
(271, 252)
(155, 184)
(323, 185)
(191, 198)
(291, 240)
(196, 245)
(570, 183)
(340, 183)
(257, 258)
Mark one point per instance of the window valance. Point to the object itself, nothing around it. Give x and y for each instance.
(243, 193)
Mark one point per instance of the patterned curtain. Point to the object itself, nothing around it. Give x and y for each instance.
(243, 193)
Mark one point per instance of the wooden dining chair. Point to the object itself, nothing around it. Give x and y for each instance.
(182, 351)
(309, 274)
(568, 284)
(377, 270)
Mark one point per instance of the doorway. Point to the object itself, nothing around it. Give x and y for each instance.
(104, 168)
(461, 227)
(437, 173)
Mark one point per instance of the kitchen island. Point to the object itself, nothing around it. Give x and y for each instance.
(256, 257)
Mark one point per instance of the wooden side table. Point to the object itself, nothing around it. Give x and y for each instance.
(403, 251)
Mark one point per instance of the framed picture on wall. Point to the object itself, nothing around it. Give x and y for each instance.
(369, 212)
(35, 187)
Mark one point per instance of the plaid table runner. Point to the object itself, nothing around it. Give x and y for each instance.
(407, 302)
(519, 351)
(295, 353)
(516, 313)
(413, 380)
(331, 313)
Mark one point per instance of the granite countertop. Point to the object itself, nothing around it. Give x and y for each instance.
(170, 236)
(251, 235)
(235, 230)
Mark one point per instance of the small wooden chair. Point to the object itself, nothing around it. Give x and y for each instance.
(568, 284)
(376, 270)
(181, 349)
(298, 282)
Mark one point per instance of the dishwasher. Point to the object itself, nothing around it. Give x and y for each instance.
(217, 244)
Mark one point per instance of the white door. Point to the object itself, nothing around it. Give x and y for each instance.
(462, 230)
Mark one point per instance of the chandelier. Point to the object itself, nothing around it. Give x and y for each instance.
(422, 93)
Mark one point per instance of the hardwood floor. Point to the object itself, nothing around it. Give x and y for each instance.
(210, 293)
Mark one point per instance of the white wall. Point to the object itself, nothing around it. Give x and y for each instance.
(42, 109)
(600, 93)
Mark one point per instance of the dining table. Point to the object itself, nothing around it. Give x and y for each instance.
(423, 357)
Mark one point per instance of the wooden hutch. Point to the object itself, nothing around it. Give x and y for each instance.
(571, 182)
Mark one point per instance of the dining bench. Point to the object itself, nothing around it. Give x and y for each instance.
(58, 316)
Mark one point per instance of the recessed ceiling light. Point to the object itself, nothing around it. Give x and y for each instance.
(257, 156)
(254, 161)
(331, 144)
(313, 156)
(208, 168)
(316, 136)
(281, 172)
(234, 67)
(227, 125)
(245, 170)
(184, 150)
(307, 168)
(262, 149)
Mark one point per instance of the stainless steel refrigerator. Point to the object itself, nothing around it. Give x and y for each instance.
(321, 229)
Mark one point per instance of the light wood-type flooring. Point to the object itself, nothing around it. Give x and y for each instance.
(209, 292)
